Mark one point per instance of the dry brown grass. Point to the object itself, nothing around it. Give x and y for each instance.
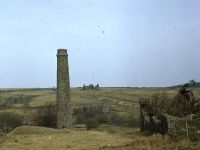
(38, 138)
(154, 143)
(104, 138)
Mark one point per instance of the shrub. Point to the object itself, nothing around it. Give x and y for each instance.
(83, 113)
(91, 123)
(116, 119)
(9, 121)
(133, 121)
(102, 118)
(46, 116)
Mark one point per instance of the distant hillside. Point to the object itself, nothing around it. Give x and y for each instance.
(191, 85)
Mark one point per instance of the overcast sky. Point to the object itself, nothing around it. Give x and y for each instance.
(110, 42)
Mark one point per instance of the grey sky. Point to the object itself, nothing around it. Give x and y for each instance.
(112, 42)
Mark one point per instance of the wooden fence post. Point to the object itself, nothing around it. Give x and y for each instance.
(174, 125)
(187, 133)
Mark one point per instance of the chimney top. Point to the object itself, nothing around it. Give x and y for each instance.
(61, 52)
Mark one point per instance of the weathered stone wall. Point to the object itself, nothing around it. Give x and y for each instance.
(168, 119)
(63, 90)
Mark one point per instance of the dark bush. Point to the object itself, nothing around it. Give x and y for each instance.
(9, 121)
(46, 116)
(91, 123)
(83, 113)
(133, 121)
(92, 111)
(126, 121)
(102, 118)
(118, 120)
(79, 114)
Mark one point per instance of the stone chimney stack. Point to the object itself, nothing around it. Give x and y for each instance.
(63, 90)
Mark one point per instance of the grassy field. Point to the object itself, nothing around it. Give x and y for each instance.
(124, 97)
(124, 100)
(102, 138)
(120, 100)
(32, 138)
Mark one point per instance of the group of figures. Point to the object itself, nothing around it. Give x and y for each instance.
(154, 112)
(90, 87)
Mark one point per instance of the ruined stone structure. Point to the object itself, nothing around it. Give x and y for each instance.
(170, 115)
(63, 90)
